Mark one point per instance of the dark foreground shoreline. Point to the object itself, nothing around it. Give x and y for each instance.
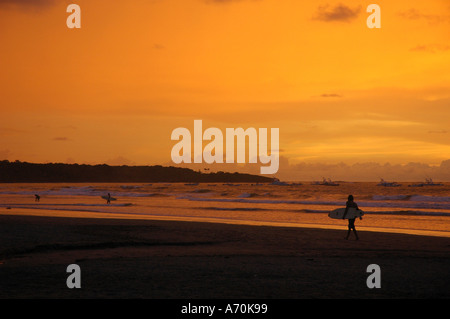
(149, 259)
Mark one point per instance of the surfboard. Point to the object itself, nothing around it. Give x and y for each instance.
(106, 197)
(351, 213)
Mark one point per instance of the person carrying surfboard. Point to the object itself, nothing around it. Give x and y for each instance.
(351, 222)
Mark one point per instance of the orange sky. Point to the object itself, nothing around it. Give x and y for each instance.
(114, 90)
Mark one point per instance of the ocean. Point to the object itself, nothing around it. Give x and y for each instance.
(413, 208)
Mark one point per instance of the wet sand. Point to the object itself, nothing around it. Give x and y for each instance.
(130, 258)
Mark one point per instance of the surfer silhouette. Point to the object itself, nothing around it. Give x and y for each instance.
(108, 200)
(351, 222)
(37, 198)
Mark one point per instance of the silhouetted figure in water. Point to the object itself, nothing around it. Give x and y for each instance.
(351, 222)
(108, 200)
(37, 198)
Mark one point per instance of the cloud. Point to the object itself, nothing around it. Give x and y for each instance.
(158, 46)
(413, 14)
(24, 4)
(9, 131)
(330, 95)
(340, 12)
(430, 48)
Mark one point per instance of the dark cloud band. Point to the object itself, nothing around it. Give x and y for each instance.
(338, 13)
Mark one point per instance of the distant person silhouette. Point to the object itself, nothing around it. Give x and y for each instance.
(351, 222)
(108, 201)
(37, 198)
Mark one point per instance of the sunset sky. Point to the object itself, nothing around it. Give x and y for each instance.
(113, 91)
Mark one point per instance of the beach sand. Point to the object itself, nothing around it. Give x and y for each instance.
(130, 258)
